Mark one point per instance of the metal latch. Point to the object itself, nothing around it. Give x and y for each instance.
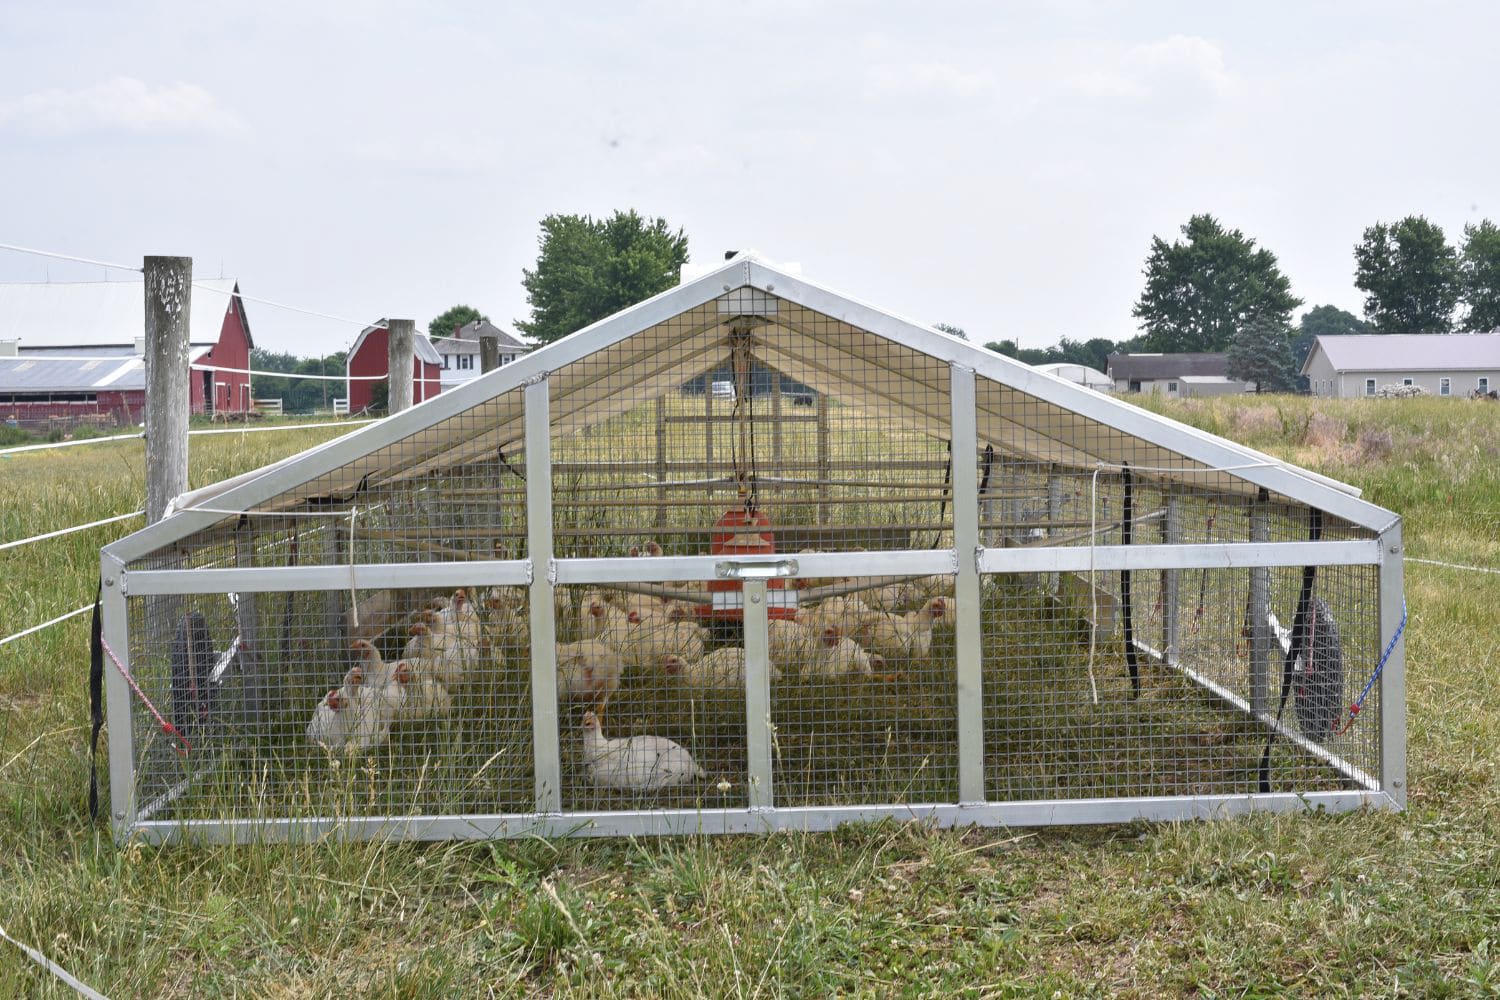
(761, 569)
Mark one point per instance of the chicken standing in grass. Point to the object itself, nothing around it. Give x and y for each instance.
(588, 670)
(358, 714)
(636, 763)
(424, 696)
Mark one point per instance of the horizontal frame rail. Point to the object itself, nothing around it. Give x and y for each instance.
(359, 576)
(1197, 555)
(665, 822)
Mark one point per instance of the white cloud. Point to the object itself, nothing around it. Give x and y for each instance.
(122, 103)
(1175, 63)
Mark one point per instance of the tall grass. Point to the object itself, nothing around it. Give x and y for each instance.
(1359, 905)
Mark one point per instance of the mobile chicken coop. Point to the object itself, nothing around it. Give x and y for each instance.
(891, 575)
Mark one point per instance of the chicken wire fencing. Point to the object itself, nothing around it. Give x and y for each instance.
(719, 577)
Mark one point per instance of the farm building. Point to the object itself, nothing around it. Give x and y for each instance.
(368, 363)
(567, 598)
(1457, 364)
(460, 352)
(73, 351)
(1174, 374)
(1082, 374)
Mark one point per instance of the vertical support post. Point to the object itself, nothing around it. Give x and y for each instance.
(758, 696)
(824, 472)
(543, 624)
(1393, 677)
(969, 640)
(252, 683)
(661, 461)
(401, 334)
(1171, 596)
(1255, 612)
(169, 291)
(117, 701)
(489, 353)
(1055, 496)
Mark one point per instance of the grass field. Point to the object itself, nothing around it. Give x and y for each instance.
(1363, 905)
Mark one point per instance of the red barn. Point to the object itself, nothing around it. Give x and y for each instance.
(73, 351)
(368, 361)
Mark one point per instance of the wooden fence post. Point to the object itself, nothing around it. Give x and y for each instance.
(489, 353)
(169, 289)
(400, 348)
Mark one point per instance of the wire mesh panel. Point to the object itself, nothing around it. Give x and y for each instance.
(1186, 731)
(292, 705)
(651, 702)
(865, 707)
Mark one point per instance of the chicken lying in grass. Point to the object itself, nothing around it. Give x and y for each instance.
(903, 637)
(646, 640)
(722, 669)
(636, 763)
(841, 655)
(422, 692)
(844, 612)
(358, 714)
(601, 620)
(588, 670)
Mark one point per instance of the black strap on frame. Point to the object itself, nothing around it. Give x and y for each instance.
(1301, 635)
(1127, 516)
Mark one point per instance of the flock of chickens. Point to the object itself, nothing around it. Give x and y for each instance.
(869, 635)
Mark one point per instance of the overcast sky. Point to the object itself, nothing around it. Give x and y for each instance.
(1001, 167)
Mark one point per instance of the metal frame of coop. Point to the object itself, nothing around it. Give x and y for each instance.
(1372, 541)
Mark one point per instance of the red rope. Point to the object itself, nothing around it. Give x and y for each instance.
(167, 728)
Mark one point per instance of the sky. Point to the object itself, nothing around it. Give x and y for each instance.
(998, 166)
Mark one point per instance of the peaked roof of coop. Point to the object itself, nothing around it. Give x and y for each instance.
(833, 343)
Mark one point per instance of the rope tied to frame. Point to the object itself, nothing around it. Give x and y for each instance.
(180, 743)
(1390, 647)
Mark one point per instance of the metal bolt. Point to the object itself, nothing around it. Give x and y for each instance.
(109, 581)
(119, 814)
(754, 598)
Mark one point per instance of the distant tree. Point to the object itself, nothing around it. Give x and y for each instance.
(588, 269)
(1479, 271)
(952, 331)
(1262, 353)
(297, 395)
(1409, 274)
(1201, 291)
(452, 319)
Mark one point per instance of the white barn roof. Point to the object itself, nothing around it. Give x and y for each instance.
(101, 313)
(1409, 352)
(834, 344)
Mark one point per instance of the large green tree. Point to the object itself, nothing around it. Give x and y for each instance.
(1261, 352)
(451, 319)
(589, 268)
(1479, 271)
(1201, 290)
(298, 395)
(1409, 274)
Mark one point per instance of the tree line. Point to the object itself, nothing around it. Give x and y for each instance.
(1212, 290)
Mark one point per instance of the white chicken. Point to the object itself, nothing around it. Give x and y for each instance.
(845, 612)
(794, 645)
(905, 636)
(636, 763)
(647, 640)
(425, 697)
(357, 715)
(842, 655)
(589, 669)
(602, 620)
(722, 669)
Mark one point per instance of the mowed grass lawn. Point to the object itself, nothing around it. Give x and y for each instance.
(1361, 905)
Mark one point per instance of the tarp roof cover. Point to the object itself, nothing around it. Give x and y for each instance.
(830, 342)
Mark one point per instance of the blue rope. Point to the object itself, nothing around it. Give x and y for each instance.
(1370, 684)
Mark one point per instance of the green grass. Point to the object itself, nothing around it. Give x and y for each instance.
(1360, 905)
